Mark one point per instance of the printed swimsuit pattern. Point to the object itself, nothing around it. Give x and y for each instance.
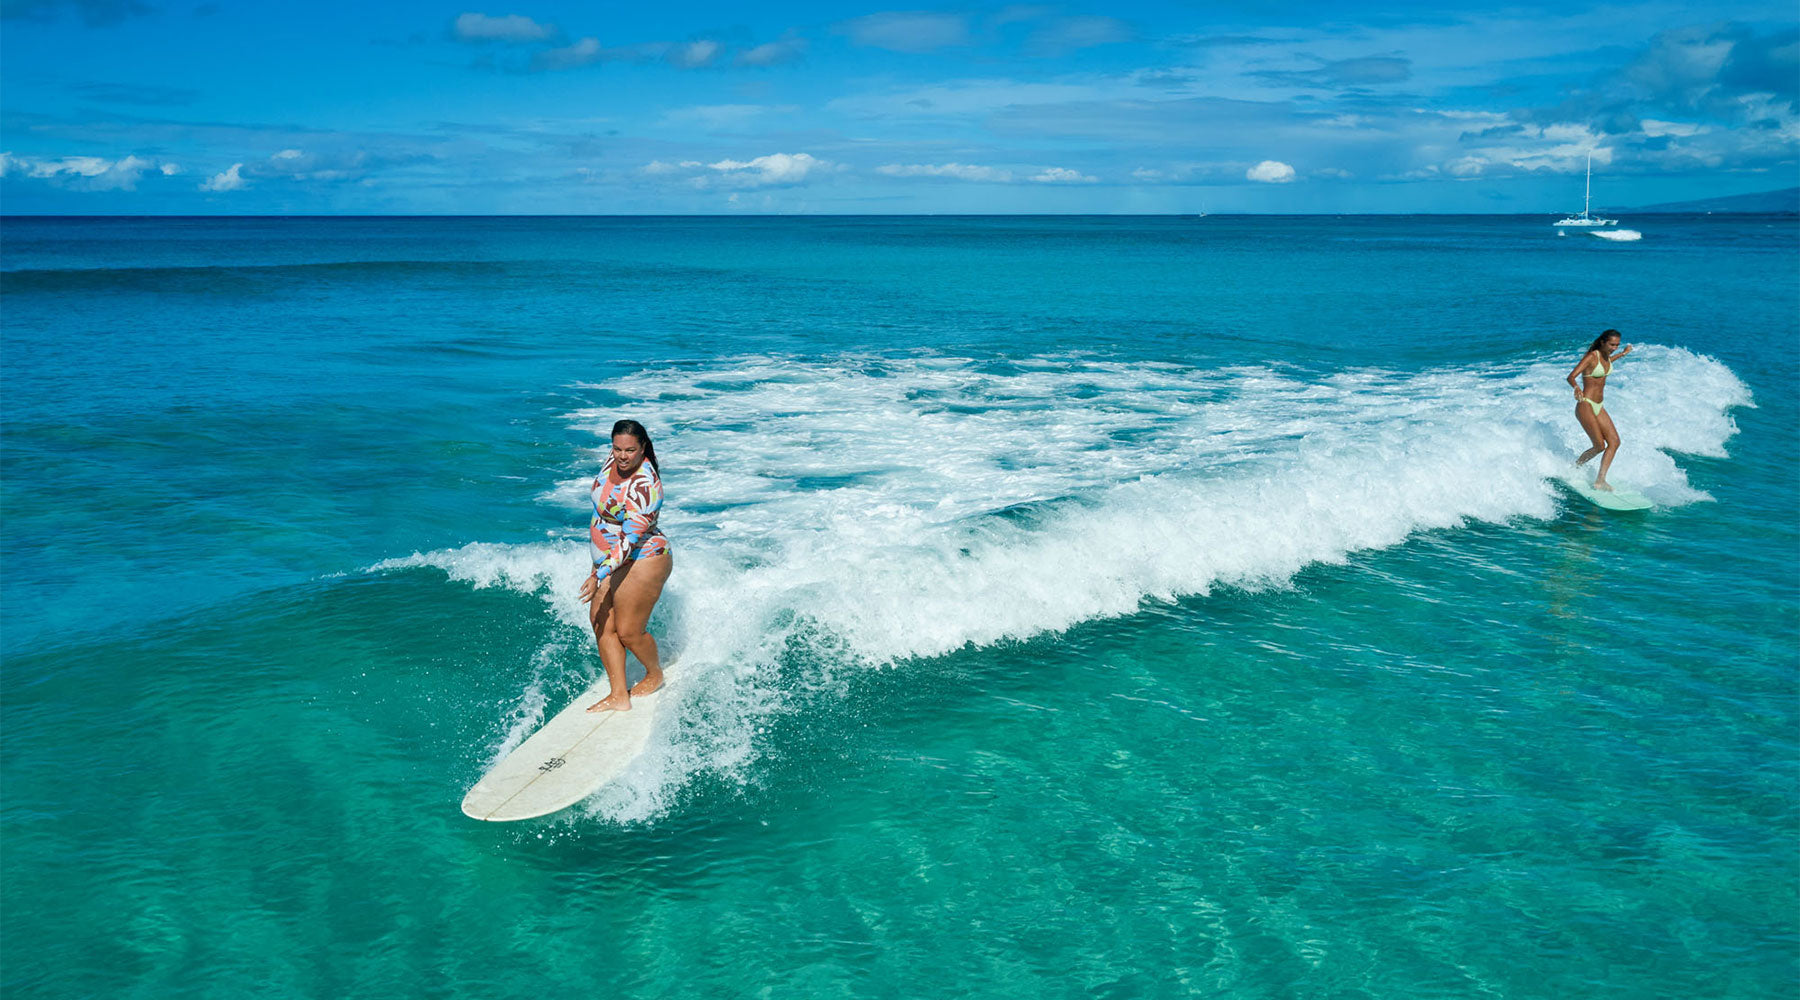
(624, 524)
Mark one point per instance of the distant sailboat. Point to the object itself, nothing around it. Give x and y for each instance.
(1584, 220)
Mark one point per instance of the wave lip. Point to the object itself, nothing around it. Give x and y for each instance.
(877, 509)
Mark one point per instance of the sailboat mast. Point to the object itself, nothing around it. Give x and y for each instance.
(1587, 191)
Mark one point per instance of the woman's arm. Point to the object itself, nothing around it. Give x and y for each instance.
(1622, 352)
(1584, 365)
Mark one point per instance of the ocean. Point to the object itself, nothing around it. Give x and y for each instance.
(1062, 607)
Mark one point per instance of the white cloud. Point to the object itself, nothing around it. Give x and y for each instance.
(170, 169)
(1019, 12)
(1483, 117)
(908, 31)
(966, 98)
(1467, 166)
(474, 27)
(693, 55)
(82, 166)
(956, 171)
(721, 116)
(1146, 174)
(773, 53)
(230, 180)
(83, 173)
(1767, 108)
(988, 175)
(1070, 33)
(301, 165)
(1063, 175)
(1270, 172)
(1561, 148)
(776, 168)
(773, 170)
(581, 53)
(1655, 129)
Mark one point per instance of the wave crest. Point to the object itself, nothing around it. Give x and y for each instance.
(877, 509)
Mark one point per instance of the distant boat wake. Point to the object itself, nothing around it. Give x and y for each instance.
(1618, 235)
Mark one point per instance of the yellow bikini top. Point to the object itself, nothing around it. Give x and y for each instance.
(1601, 369)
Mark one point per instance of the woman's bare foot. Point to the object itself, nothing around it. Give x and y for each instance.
(1601, 484)
(612, 703)
(651, 682)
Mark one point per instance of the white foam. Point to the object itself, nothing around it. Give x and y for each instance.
(874, 509)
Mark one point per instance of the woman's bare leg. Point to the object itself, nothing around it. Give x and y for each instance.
(1611, 434)
(602, 614)
(633, 601)
(1591, 424)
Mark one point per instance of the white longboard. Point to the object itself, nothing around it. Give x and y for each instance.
(565, 761)
(1613, 500)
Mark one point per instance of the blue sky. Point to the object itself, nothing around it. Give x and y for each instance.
(542, 106)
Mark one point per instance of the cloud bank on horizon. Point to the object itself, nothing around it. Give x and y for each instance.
(115, 106)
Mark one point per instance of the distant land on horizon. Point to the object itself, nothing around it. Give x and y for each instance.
(1783, 201)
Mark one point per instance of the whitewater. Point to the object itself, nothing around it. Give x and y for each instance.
(870, 511)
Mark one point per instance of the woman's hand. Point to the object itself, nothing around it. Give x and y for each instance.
(588, 586)
(1623, 351)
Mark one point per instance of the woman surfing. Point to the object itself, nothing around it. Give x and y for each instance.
(1590, 406)
(632, 561)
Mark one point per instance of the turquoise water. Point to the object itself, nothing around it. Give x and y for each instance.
(1063, 607)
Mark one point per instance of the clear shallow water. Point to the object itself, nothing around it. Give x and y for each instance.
(1063, 607)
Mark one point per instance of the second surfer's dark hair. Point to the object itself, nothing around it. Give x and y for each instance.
(1599, 344)
(637, 430)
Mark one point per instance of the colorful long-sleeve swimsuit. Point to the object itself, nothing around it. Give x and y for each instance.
(624, 524)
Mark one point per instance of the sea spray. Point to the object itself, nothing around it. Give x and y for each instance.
(871, 510)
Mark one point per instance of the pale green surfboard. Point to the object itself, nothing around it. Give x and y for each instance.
(1618, 499)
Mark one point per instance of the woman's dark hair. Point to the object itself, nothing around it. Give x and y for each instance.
(1599, 344)
(637, 430)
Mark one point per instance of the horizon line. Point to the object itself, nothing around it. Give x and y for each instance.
(5, 216)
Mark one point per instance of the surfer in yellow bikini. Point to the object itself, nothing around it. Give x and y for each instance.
(1590, 407)
(631, 563)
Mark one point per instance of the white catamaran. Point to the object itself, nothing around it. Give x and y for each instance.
(1584, 220)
